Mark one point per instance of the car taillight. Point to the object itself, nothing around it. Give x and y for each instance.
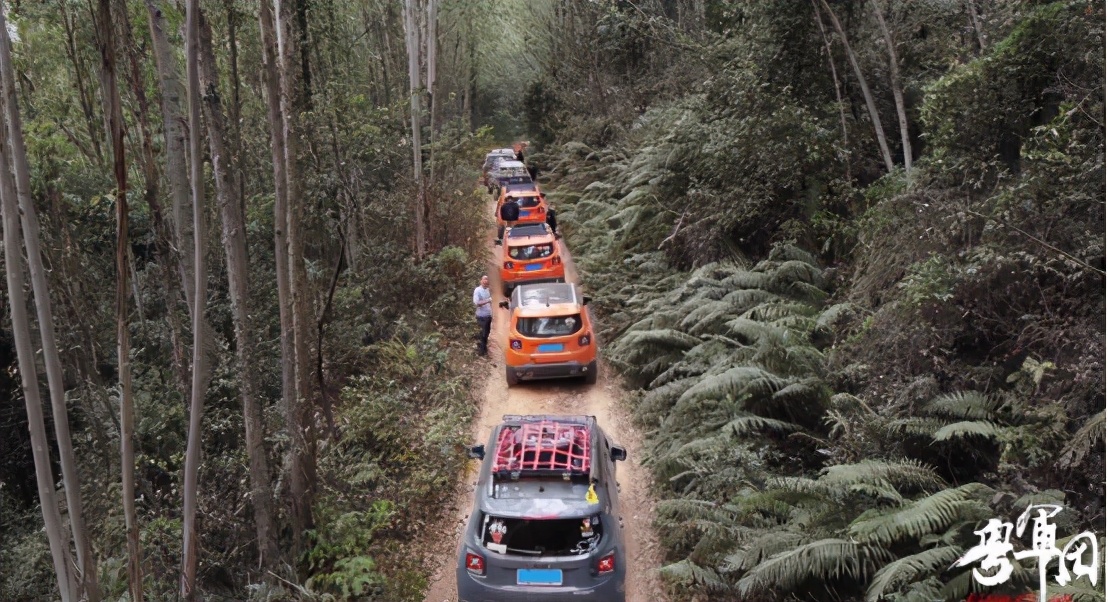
(517, 344)
(584, 340)
(541, 210)
(509, 265)
(475, 563)
(556, 260)
(605, 565)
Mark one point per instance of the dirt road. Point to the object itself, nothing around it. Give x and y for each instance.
(557, 397)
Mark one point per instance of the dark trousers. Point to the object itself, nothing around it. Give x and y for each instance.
(485, 323)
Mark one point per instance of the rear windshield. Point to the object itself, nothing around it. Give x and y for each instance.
(531, 252)
(554, 326)
(529, 201)
(541, 537)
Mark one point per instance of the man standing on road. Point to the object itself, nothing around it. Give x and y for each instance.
(482, 298)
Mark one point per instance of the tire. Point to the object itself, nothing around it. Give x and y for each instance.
(592, 374)
(513, 380)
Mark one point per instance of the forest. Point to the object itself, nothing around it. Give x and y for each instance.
(846, 258)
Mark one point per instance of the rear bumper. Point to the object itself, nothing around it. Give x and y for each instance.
(559, 370)
(474, 589)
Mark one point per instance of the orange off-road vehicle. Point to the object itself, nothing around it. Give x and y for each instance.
(530, 255)
(532, 205)
(549, 334)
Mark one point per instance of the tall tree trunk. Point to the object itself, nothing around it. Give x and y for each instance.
(431, 38)
(411, 39)
(878, 129)
(176, 134)
(838, 86)
(299, 410)
(894, 81)
(196, 407)
(29, 217)
(113, 110)
(281, 254)
(234, 245)
(21, 332)
(163, 239)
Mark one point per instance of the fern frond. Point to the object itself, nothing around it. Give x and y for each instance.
(787, 252)
(745, 425)
(902, 474)
(736, 382)
(823, 560)
(832, 315)
(760, 549)
(687, 573)
(1092, 433)
(969, 428)
(966, 405)
(904, 570)
(927, 515)
(915, 425)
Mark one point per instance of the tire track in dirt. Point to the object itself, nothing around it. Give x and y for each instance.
(555, 397)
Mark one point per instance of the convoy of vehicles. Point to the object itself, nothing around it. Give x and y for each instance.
(545, 522)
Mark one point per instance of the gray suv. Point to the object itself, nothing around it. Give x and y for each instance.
(545, 523)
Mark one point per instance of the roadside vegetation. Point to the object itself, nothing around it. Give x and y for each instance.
(844, 369)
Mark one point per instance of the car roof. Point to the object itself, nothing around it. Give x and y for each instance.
(528, 230)
(545, 299)
(503, 152)
(511, 164)
(510, 489)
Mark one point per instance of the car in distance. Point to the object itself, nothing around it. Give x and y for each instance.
(545, 523)
(530, 255)
(507, 172)
(549, 334)
(492, 161)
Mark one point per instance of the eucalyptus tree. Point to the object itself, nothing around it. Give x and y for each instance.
(196, 405)
(234, 246)
(113, 113)
(71, 479)
(21, 333)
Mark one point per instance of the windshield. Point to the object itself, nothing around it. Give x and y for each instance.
(554, 326)
(529, 252)
(540, 537)
(529, 201)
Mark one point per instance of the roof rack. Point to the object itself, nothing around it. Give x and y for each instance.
(543, 448)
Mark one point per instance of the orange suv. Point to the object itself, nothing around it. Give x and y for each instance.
(549, 334)
(530, 255)
(532, 205)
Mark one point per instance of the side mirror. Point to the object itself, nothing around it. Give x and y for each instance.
(586, 300)
(504, 304)
(618, 453)
(477, 452)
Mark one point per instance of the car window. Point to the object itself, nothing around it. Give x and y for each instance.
(553, 326)
(529, 201)
(540, 537)
(529, 252)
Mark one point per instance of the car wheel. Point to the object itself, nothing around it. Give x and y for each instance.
(591, 374)
(510, 373)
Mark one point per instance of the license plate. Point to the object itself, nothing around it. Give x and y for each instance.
(531, 267)
(539, 577)
(523, 214)
(549, 347)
